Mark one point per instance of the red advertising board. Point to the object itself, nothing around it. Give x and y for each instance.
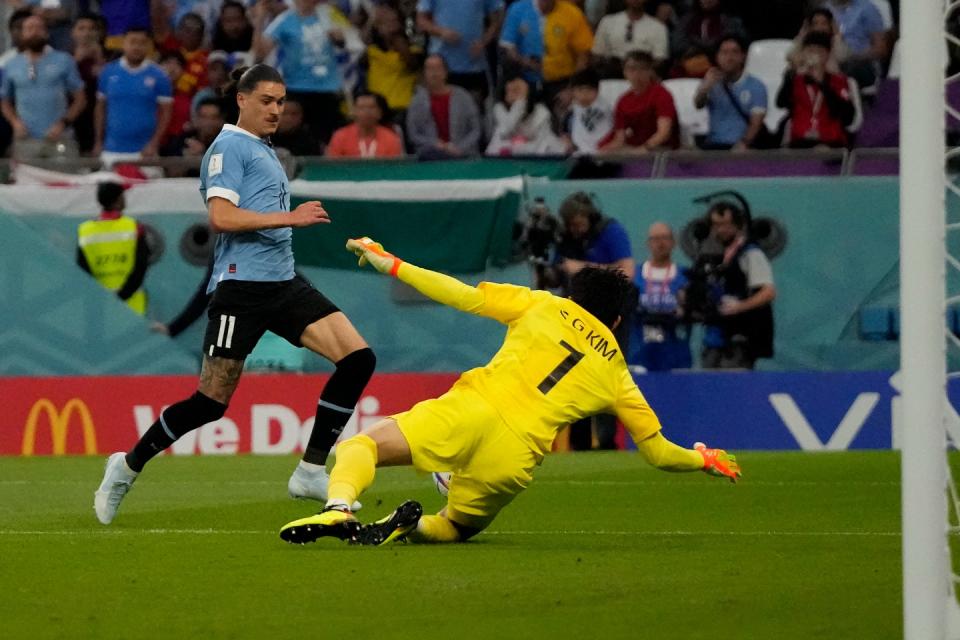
(270, 414)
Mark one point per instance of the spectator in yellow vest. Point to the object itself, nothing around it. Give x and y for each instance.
(113, 249)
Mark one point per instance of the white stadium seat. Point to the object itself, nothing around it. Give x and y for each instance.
(693, 121)
(611, 90)
(767, 60)
(854, 90)
(894, 71)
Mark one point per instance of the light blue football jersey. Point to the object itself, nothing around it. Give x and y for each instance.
(242, 168)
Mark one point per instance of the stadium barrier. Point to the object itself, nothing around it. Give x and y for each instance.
(681, 163)
(839, 261)
(273, 414)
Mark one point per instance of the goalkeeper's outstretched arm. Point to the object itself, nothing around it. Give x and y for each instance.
(436, 286)
(644, 427)
(665, 455)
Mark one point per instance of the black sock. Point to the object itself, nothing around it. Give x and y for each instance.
(178, 419)
(339, 397)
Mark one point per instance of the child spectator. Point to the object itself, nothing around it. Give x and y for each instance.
(591, 118)
(521, 125)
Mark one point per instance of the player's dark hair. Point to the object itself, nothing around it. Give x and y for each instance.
(602, 291)
(818, 39)
(246, 79)
(108, 193)
(138, 29)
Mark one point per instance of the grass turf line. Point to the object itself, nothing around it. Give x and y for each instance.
(600, 546)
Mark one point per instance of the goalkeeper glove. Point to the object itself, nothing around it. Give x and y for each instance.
(718, 462)
(373, 253)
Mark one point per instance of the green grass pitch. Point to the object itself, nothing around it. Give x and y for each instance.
(600, 546)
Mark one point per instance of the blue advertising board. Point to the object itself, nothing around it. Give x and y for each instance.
(771, 410)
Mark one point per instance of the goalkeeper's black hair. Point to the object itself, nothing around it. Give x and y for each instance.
(601, 291)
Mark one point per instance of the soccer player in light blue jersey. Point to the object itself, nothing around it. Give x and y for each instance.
(255, 290)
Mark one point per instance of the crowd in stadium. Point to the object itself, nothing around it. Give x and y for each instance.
(123, 79)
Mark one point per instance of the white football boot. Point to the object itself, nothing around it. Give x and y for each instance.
(312, 485)
(117, 480)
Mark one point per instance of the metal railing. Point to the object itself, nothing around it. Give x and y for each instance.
(662, 163)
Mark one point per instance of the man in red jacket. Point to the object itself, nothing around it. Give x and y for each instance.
(818, 101)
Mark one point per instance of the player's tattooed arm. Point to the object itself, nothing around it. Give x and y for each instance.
(219, 377)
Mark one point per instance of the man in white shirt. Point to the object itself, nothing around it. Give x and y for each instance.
(630, 30)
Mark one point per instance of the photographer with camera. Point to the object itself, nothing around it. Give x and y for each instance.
(732, 293)
(590, 239)
(660, 338)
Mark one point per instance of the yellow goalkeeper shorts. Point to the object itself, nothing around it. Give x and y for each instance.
(461, 432)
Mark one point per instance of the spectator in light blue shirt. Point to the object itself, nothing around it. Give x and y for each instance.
(312, 41)
(736, 100)
(861, 26)
(457, 34)
(522, 36)
(42, 95)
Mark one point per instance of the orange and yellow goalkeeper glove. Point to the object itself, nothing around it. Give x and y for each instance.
(373, 253)
(718, 462)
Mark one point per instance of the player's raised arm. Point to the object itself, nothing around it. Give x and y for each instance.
(436, 286)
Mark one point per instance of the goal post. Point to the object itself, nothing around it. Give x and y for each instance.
(923, 260)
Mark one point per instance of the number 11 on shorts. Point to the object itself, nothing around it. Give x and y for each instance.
(226, 325)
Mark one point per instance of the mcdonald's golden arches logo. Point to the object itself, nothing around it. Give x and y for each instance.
(59, 422)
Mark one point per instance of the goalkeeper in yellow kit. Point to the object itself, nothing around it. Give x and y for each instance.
(559, 363)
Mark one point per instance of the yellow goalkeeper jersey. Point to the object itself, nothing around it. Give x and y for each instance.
(558, 363)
